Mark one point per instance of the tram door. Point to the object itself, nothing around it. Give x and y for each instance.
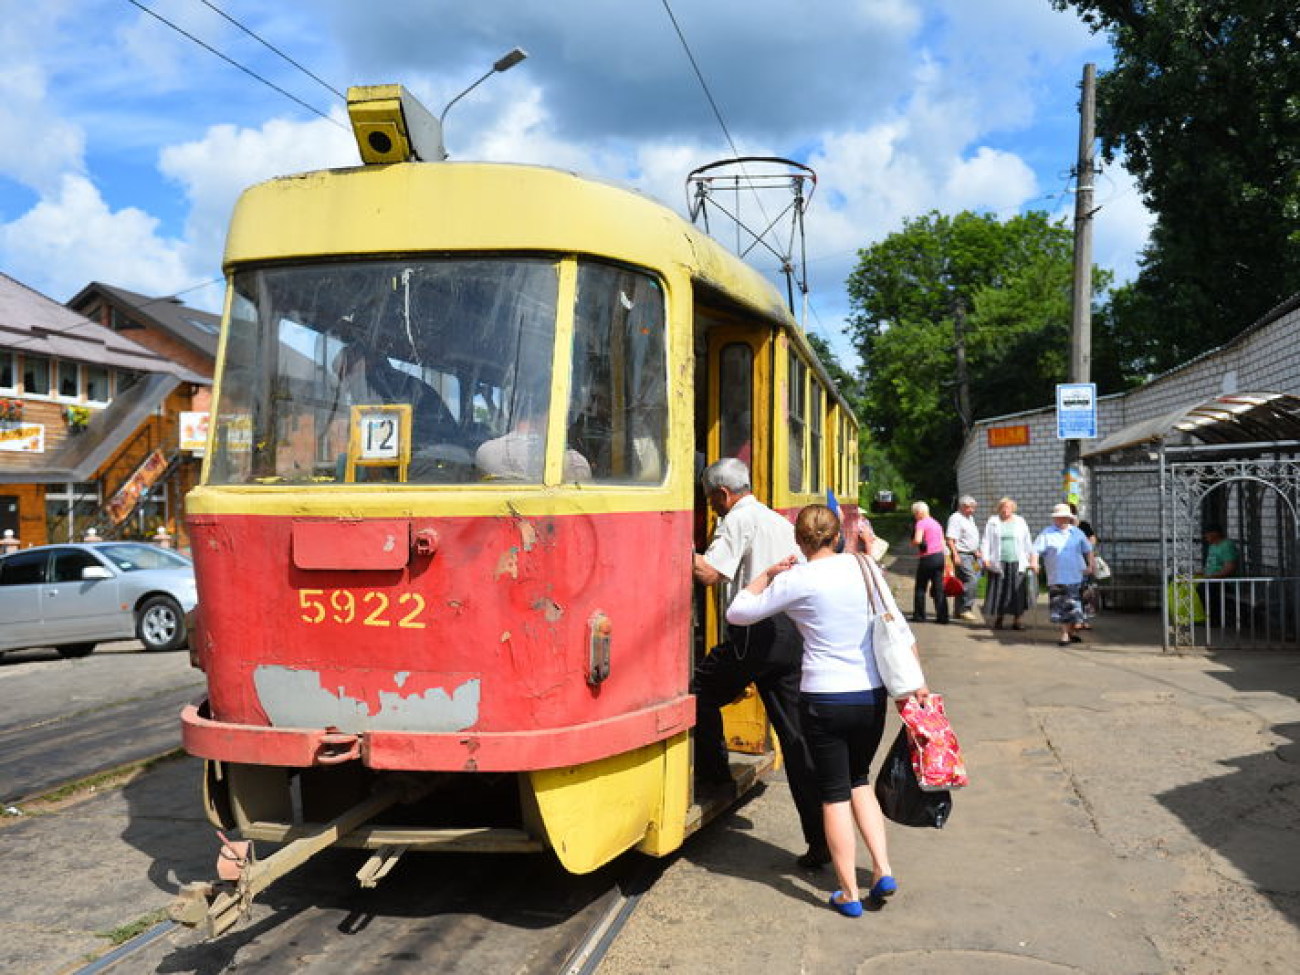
(737, 423)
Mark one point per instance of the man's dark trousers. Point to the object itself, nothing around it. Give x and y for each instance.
(767, 655)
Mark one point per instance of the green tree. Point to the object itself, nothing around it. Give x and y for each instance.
(1203, 103)
(998, 291)
(844, 380)
(883, 475)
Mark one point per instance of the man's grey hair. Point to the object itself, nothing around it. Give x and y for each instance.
(920, 508)
(966, 499)
(730, 473)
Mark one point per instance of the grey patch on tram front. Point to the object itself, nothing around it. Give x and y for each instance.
(298, 699)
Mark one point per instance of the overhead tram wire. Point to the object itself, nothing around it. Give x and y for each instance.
(271, 47)
(717, 112)
(700, 76)
(235, 64)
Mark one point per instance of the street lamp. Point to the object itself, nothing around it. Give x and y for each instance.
(503, 63)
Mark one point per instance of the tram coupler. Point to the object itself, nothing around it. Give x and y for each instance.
(214, 908)
(379, 865)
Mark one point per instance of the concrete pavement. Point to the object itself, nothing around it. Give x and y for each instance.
(1129, 812)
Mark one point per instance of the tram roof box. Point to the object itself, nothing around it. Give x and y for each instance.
(391, 126)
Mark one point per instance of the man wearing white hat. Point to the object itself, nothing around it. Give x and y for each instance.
(1066, 553)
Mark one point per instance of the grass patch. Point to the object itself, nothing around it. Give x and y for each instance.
(74, 792)
(124, 933)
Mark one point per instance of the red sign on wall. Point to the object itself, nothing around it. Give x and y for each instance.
(1014, 436)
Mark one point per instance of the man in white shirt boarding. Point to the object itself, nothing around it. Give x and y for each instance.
(749, 538)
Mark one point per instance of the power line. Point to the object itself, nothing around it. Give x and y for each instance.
(326, 85)
(699, 75)
(235, 64)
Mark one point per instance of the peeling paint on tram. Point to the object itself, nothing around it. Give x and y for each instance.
(294, 698)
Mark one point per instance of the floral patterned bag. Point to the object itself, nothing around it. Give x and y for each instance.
(936, 755)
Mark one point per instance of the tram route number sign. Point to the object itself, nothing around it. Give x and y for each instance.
(381, 436)
(1076, 411)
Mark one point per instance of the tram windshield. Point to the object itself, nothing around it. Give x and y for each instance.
(439, 371)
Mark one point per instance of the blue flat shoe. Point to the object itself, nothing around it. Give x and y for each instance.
(847, 908)
(886, 886)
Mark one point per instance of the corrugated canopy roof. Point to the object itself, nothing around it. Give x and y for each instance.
(1244, 418)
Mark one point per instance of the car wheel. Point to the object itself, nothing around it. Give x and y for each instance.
(75, 650)
(160, 625)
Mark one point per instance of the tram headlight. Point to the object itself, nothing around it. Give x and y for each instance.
(391, 126)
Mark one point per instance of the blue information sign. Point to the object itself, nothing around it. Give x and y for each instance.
(1076, 411)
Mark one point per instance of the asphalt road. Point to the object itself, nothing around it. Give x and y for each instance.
(62, 720)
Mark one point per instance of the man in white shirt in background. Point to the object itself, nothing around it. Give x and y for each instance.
(749, 538)
(963, 537)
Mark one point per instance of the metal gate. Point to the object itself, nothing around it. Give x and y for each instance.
(1233, 461)
(1257, 503)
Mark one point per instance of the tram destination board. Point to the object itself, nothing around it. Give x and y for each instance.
(1076, 411)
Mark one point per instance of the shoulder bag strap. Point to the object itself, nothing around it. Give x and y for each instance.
(873, 594)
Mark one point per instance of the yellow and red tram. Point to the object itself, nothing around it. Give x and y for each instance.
(444, 528)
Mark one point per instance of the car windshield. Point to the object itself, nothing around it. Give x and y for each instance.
(134, 556)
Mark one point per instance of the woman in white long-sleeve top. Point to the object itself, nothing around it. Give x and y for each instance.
(841, 696)
(1007, 550)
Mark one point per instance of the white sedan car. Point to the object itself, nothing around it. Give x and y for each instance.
(73, 596)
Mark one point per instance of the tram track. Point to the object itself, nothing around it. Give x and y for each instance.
(521, 914)
(54, 753)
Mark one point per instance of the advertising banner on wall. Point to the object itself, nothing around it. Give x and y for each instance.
(128, 495)
(27, 437)
(194, 431)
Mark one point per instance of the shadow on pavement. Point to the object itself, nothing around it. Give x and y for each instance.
(1251, 815)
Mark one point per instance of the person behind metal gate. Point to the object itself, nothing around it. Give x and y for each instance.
(749, 537)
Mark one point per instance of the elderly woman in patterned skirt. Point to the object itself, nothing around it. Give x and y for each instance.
(1067, 556)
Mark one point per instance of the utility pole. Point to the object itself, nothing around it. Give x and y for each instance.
(963, 376)
(1081, 295)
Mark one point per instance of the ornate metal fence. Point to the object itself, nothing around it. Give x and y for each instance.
(1256, 501)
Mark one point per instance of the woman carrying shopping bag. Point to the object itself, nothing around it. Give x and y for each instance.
(842, 699)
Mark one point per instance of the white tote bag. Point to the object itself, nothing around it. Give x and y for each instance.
(891, 637)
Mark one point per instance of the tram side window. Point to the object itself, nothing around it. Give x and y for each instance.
(618, 405)
(736, 402)
(815, 437)
(797, 412)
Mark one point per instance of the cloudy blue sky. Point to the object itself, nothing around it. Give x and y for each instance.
(126, 143)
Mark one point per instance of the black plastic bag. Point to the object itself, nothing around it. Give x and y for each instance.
(900, 795)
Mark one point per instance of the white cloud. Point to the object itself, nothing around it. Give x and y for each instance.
(72, 237)
(214, 170)
(989, 180)
(39, 145)
(1121, 225)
